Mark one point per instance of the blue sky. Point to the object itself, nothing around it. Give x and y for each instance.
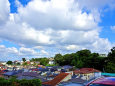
(42, 28)
(108, 20)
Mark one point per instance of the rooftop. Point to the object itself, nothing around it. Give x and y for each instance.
(56, 80)
(86, 70)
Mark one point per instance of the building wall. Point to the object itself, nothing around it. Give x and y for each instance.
(51, 62)
(67, 78)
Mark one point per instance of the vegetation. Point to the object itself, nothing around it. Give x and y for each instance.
(23, 59)
(9, 63)
(110, 61)
(43, 61)
(25, 64)
(14, 82)
(84, 58)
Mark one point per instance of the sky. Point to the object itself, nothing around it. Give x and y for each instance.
(43, 28)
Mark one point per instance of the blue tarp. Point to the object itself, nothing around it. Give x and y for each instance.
(11, 73)
(67, 67)
(108, 74)
(42, 69)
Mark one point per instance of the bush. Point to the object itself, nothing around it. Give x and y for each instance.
(14, 82)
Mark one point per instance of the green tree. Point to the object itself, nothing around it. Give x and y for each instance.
(33, 82)
(23, 59)
(110, 61)
(58, 58)
(9, 63)
(111, 55)
(44, 61)
(4, 82)
(25, 64)
(14, 82)
(79, 64)
(110, 67)
(18, 63)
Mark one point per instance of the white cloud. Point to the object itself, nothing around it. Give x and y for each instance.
(27, 51)
(23, 34)
(44, 52)
(102, 46)
(72, 47)
(8, 53)
(4, 11)
(53, 25)
(112, 28)
(37, 47)
(49, 14)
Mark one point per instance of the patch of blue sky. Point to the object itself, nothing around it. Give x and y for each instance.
(24, 2)
(85, 10)
(13, 6)
(9, 44)
(108, 20)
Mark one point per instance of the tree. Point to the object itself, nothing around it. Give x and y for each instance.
(14, 82)
(110, 67)
(9, 63)
(79, 64)
(58, 58)
(111, 55)
(44, 61)
(110, 61)
(25, 64)
(23, 59)
(33, 82)
(18, 63)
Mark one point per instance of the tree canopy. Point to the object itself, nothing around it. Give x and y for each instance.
(9, 63)
(14, 82)
(84, 58)
(43, 61)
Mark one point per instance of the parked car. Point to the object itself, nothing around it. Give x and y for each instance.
(105, 81)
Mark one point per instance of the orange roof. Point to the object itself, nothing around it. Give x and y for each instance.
(56, 80)
(86, 70)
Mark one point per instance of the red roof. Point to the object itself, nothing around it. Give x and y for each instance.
(2, 71)
(86, 70)
(56, 80)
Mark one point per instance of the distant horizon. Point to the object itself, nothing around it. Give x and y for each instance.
(43, 28)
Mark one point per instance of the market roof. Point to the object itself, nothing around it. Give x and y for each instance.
(86, 71)
(56, 80)
(106, 81)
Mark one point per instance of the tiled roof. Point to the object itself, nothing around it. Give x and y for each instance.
(86, 70)
(56, 80)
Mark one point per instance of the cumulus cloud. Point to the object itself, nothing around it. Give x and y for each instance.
(72, 47)
(56, 14)
(112, 28)
(44, 52)
(96, 4)
(4, 11)
(8, 53)
(53, 25)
